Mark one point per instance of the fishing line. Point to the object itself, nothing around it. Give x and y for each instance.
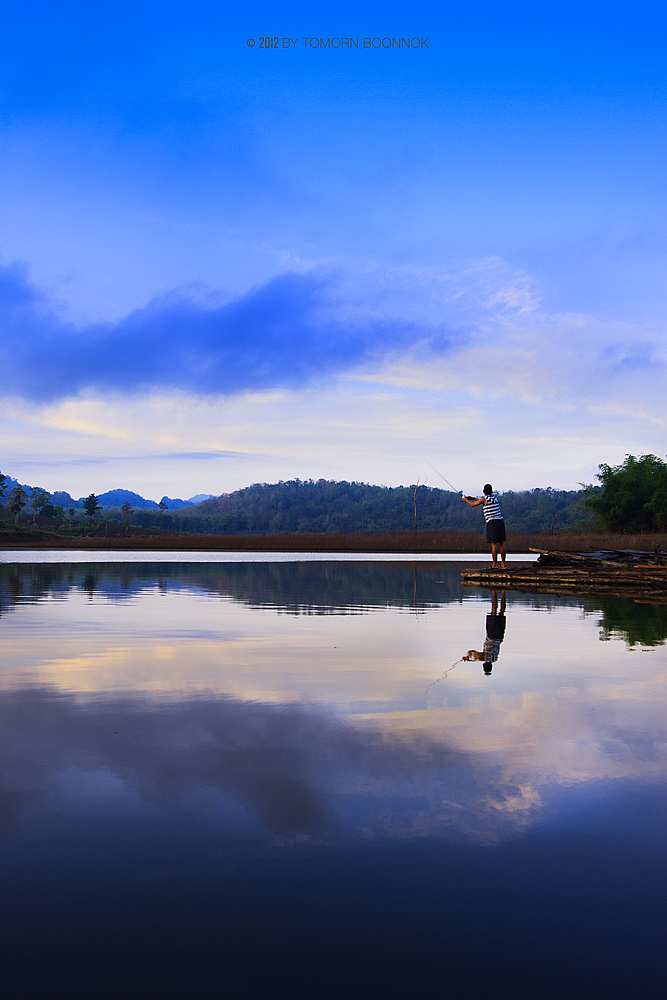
(446, 673)
(460, 492)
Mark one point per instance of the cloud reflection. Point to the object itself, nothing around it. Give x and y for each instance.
(298, 771)
(284, 771)
(228, 709)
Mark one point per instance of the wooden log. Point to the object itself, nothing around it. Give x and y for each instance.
(632, 581)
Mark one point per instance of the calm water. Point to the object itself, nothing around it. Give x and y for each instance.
(281, 780)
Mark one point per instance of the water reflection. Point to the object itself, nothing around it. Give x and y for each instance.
(312, 588)
(287, 747)
(638, 624)
(496, 624)
(181, 679)
(293, 770)
(299, 588)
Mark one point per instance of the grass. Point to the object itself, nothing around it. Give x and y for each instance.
(392, 541)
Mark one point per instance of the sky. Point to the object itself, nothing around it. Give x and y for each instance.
(224, 263)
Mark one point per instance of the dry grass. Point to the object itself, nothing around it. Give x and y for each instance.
(392, 541)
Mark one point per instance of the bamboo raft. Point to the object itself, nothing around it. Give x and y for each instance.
(628, 573)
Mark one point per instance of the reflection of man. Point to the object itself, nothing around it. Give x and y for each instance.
(495, 633)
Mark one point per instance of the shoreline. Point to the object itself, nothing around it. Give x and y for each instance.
(433, 543)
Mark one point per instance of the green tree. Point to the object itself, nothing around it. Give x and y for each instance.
(16, 501)
(3, 484)
(39, 501)
(163, 506)
(631, 496)
(91, 505)
(128, 510)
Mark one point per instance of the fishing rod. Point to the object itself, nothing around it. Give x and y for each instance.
(460, 492)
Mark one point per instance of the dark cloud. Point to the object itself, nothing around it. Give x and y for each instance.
(624, 359)
(297, 769)
(285, 764)
(284, 334)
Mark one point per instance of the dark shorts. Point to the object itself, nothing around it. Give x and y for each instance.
(495, 530)
(495, 627)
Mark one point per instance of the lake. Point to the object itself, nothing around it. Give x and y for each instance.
(322, 777)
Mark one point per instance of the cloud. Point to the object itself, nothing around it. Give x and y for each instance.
(161, 455)
(622, 358)
(286, 333)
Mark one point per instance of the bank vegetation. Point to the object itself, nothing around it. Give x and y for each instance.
(99, 536)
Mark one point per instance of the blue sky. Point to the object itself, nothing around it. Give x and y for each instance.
(223, 264)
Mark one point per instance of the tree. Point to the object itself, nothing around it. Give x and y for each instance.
(16, 501)
(128, 511)
(39, 501)
(91, 505)
(631, 496)
(414, 489)
(3, 484)
(163, 506)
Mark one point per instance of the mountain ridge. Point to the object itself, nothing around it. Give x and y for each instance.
(326, 506)
(111, 499)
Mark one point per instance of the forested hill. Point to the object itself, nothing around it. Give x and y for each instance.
(326, 506)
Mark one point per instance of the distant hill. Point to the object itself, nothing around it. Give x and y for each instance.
(327, 506)
(114, 499)
(320, 506)
(11, 483)
(65, 500)
(175, 504)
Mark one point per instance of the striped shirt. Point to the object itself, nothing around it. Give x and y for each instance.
(492, 510)
(491, 650)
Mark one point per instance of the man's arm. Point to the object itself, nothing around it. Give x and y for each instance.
(473, 503)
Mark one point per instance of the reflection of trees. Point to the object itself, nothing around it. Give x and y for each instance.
(31, 583)
(638, 624)
(314, 588)
(299, 588)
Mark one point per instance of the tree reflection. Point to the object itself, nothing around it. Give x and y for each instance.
(313, 588)
(638, 624)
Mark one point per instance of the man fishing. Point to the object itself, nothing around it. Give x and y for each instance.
(495, 523)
